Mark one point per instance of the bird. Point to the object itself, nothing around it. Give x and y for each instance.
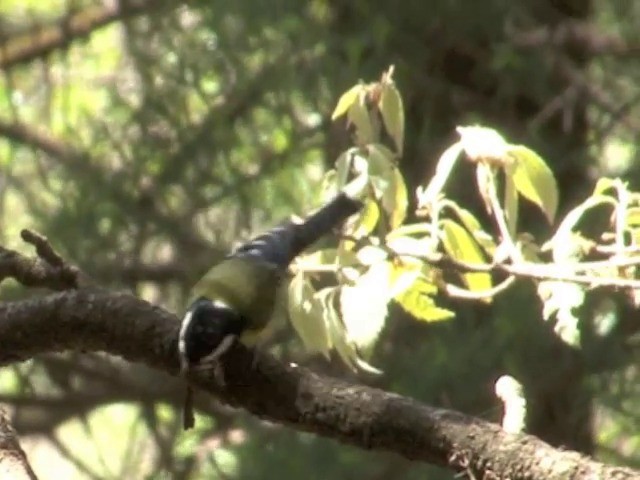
(239, 298)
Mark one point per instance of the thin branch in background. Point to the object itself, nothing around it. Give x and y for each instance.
(39, 41)
(580, 36)
(78, 463)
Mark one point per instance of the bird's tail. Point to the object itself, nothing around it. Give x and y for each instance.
(282, 244)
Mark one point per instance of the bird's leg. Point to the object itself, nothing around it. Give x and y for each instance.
(220, 350)
(211, 360)
(188, 418)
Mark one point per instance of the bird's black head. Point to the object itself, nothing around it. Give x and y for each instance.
(204, 326)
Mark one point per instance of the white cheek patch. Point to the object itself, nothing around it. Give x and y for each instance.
(184, 327)
(182, 344)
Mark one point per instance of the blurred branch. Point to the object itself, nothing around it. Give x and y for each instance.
(13, 462)
(72, 158)
(41, 40)
(125, 326)
(31, 137)
(581, 37)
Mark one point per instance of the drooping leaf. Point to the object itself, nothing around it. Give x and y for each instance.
(347, 100)
(364, 306)
(390, 106)
(471, 223)
(306, 316)
(381, 165)
(417, 301)
(460, 245)
(447, 161)
(396, 200)
(359, 116)
(345, 348)
(404, 274)
(534, 180)
(510, 202)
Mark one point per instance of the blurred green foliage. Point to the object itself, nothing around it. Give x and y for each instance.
(146, 149)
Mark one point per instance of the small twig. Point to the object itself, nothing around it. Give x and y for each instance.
(43, 247)
(48, 269)
(538, 271)
(462, 293)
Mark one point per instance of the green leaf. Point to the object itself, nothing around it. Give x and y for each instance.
(417, 301)
(602, 185)
(471, 223)
(411, 229)
(347, 100)
(306, 315)
(534, 180)
(359, 116)
(633, 217)
(388, 183)
(368, 219)
(337, 331)
(396, 200)
(390, 106)
(381, 163)
(364, 307)
(510, 202)
(460, 245)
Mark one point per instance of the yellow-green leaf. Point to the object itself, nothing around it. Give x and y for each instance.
(633, 217)
(460, 245)
(534, 180)
(359, 116)
(396, 200)
(602, 185)
(471, 223)
(417, 301)
(306, 316)
(392, 114)
(364, 306)
(510, 202)
(411, 229)
(338, 333)
(364, 224)
(346, 100)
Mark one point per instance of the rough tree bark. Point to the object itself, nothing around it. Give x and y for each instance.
(91, 319)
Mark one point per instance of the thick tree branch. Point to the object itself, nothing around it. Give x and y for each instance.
(41, 40)
(123, 325)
